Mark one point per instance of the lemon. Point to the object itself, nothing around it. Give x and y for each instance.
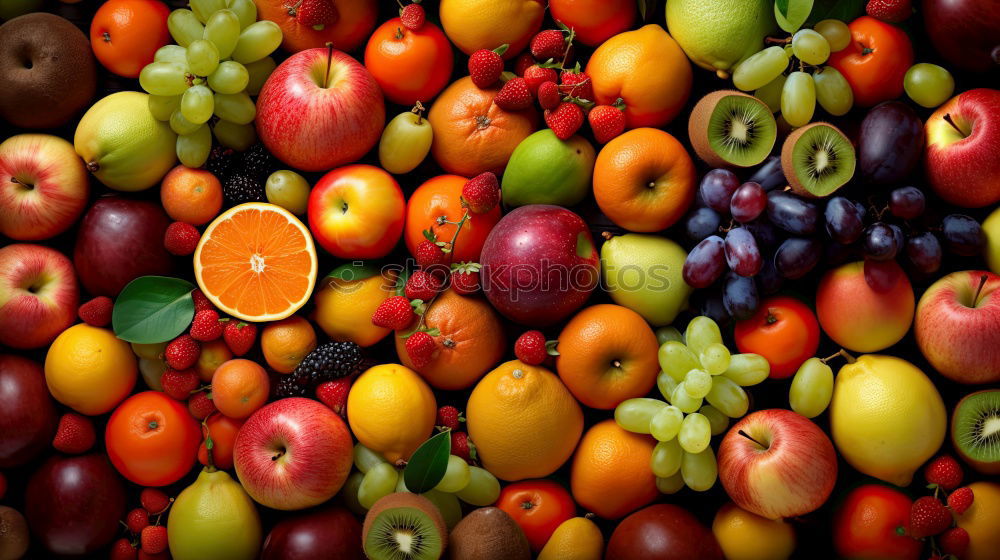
(89, 369)
(391, 411)
(717, 34)
(748, 536)
(577, 538)
(213, 518)
(887, 418)
(123, 145)
(344, 308)
(980, 520)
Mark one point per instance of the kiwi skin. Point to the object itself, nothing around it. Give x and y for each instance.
(409, 501)
(698, 126)
(788, 164)
(985, 467)
(488, 533)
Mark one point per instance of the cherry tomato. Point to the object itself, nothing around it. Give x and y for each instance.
(223, 430)
(875, 61)
(152, 439)
(784, 330)
(869, 523)
(538, 507)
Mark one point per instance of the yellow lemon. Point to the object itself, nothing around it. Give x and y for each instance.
(577, 538)
(887, 418)
(89, 369)
(391, 411)
(213, 518)
(748, 536)
(344, 308)
(980, 520)
(487, 24)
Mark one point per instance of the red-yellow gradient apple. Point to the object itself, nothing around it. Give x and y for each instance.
(963, 140)
(38, 295)
(858, 317)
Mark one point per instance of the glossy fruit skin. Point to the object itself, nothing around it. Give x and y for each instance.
(223, 430)
(152, 455)
(214, 518)
(610, 475)
(27, 415)
(890, 143)
(664, 532)
(409, 65)
(784, 330)
(538, 507)
(486, 24)
(330, 532)
(441, 196)
(125, 34)
(355, 19)
(866, 523)
(964, 32)
(594, 21)
(877, 75)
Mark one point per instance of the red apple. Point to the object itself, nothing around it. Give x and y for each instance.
(963, 140)
(120, 240)
(662, 532)
(356, 212)
(27, 417)
(293, 453)
(859, 317)
(874, 522)
(320, 108)
(539, 264)
(331, 532)
(38, 295)
(964, 32)
(958, 326)
(43, 186)
(777, 463)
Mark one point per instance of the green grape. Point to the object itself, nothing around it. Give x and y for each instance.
(699, 470)
(152, 371)
(666, 458)
(230, 77)
(718, 420)
(929, 85)
(695, 433)
(798, 99)
(152, 351)
(193, 149)
(197, 104)
(259, 72)
(665, 383)
(666, 423)
(665, 334)
(350, 493)
(810, 47)
(163, 106)
(812, 388)
(697, 383)
(170, 53)
(405, 142)
(483, 488)
(365, 459)
(378, 482)
(715, 358)
(235, 107)
(701, 332)
(676, 359)
(202, 57)
(836, 33)
(759, 69)
(164, 78)
(634, 414)
(180, 125)
(833, 92)
(223, 30)
(788, 51)
(184, 27)
(683, 400)
(771, 93)
(203, 9)
(257, 41)
(246, 10)
(289, 190)
(456, 477)
(747, 369)
(447, 504)
(671, 484)
(236, 136)
(728, 397)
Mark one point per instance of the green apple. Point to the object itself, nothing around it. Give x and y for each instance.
(546, 170)
(991, 227)
(643, 272)
(214, 518)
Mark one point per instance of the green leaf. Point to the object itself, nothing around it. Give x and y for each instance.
(357, 270)
(781, 6)
(428, 464)
(153, 309)
(844, 10)
(798, 11)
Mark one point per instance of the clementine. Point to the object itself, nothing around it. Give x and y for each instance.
(354, 20)
(152, 439)
(287, 342)
(436, 205)
(239, 387)
(409, 65)
(125, 34)
(344, 307)
(487, 24)
(222, 429)
(191, 195)
(213, 354)
(594, 21)
(610, 475)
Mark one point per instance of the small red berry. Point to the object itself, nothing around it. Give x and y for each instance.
(954, 541)
(182, 352)
(393, 313)
(535, 76)
(522, 63)
(547, 44)
(428, 254)
(201, 302)
(334, 394)
(549, 96)
(891, 11)
(481, 193)
(239, 336)
(448, 417)
(413, 16)
(928, 517)
(154, 501)
(422, 285)
(465, 278)
(530, 348)
(316, 13)
(97, 312)
(485, 67)
(420, 347)
(123, 550)
(181, 239)
(960, 500)
(206, 326)
(607, 122)
(576, 84)
(514, 95)
(201, 405)
(178, 384)
(565, 120)
(945, 472)
(75, 434)
(462, 446)
(137, 520)
(154, 539)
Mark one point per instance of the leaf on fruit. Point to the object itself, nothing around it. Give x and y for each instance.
(357, 270)
(428, 464)
(843, 10)
(797, 13)
(781, 6)
(153, 309)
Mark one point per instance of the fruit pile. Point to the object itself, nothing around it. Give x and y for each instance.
(500, 279)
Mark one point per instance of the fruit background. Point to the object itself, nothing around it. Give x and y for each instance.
(553, 435)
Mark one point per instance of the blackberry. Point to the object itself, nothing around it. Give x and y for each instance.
(220, 162)
(239, 188)
(288, 386)
(257, 162)
(332, 360)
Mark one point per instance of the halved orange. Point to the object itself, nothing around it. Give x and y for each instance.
(256, 262)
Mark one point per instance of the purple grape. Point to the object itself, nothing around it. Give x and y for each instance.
(963, 235)
(739, 296)
(764, 232)
(791, 213)
(769, 175)
(717, 187)
(861, 210)
(844, 221)
(907, 203)
(897, 234)
(705, 263)
(701, 223)
(742, 254)
(924, 251)
(748, 202)
(880, 242)
(797, 256)
(881, 276)
(768, 279)
(715, 309)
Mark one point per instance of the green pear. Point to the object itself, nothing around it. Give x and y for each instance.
(214, 518)
(718, 34)
(643, 272)
(546, 170)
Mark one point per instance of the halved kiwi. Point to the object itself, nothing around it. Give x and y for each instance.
(404, 526)
(817, 160)
(729, 128)
(975, 430)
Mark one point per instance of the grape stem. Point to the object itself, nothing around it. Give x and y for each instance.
(777, 41)
(418, 109)
(842, 353)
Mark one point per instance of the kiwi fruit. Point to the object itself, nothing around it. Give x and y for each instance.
(817, 159)
(975, 430)
(729, 128)
(404, 526)
(488, 533)
(14, 538)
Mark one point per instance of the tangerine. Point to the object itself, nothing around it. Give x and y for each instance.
(287, 342)
(610, 475)
(190, 195)
(222, 429)
(239, 387)
(409, 65)
(354, 20)
(125, 34)
(152, 439)
(436, 205)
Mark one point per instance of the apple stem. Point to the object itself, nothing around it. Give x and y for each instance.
(93, 166)
(746, 435)
(982, 282)
(947, 118)
(329, 61)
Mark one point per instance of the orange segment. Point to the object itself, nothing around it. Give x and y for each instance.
(256, 262)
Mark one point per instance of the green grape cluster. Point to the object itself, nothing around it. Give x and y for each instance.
(697, 367)
(219, 61)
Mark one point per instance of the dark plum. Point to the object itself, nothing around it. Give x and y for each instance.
(963, 235)
(890, 143)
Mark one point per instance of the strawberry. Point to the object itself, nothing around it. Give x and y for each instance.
(154, 501)
(535, 76)
(481, 193)
(530, 348)
(239, 336)
(178, 384)
(182, 352)
(448, 417)
(317, 13)
(576, 84)
(954, 541)
(422, 285)
(607, 122)
(75, 434)
(393, 313)
(565, 119)
(485, 66)
(206, 326)
(928, 517)
(97, 312)
(944, 471)
(463, 447)
(429, 254)
(137, 520)
(334, 394)
(548, 95)
(154, 539)
(123, 550)
(181, 239)
(201, 302)
(960, 500)
(465, 278)
(522, 63)
(514, 95)
(548, 44)
(892, 11)
(413, 16)
(200, 405)
(420, 346)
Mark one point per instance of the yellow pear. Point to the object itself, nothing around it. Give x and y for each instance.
(214, 518)
(577, 538)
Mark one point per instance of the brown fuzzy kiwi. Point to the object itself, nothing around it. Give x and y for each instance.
(817, 160)
(729, 128)
(975, 430)
(404, 526)
(488, 534)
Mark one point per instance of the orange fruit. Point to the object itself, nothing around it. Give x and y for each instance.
(610, 475)
(213, 354)
(222, 429)
(607, 353)
(125, 34)
(487, 24)
(239, 387)
(152, 439)
(644, 180)
(438, 200)
(256, 262)
(89, 369)
(344, 308)
(647, 69)
(594, 21)
(191, 195)
(354, 22)
(471, 340)
(524, 422)
(287, 342)
(409, 65)
(472, 134)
